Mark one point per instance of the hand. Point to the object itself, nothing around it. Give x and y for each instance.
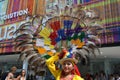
(62, 53)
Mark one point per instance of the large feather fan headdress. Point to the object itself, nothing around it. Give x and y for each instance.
(74, 29)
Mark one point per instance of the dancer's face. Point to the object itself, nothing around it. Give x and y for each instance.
(67, 66)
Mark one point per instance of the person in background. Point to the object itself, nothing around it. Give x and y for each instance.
(103, 75)
(0, 73)
(68, 71)
(11, 75)
(111, 77)
(96, 77)
(89, 76)
(117, 76)
(22, 75)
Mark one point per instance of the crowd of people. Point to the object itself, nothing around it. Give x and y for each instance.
(102, 76)
(13, 75)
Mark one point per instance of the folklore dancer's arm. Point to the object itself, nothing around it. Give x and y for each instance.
(51, 65)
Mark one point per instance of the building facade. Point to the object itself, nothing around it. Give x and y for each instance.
(12, 14)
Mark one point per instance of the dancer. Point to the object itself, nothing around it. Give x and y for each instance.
(69, 69)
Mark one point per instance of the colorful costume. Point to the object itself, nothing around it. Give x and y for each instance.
(43, 35)
(57, 72)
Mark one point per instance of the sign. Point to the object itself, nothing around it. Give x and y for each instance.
(12, 11)
(6, 32)
(7, 37)
(13, 15)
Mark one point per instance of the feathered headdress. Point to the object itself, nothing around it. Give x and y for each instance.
(74, 29)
